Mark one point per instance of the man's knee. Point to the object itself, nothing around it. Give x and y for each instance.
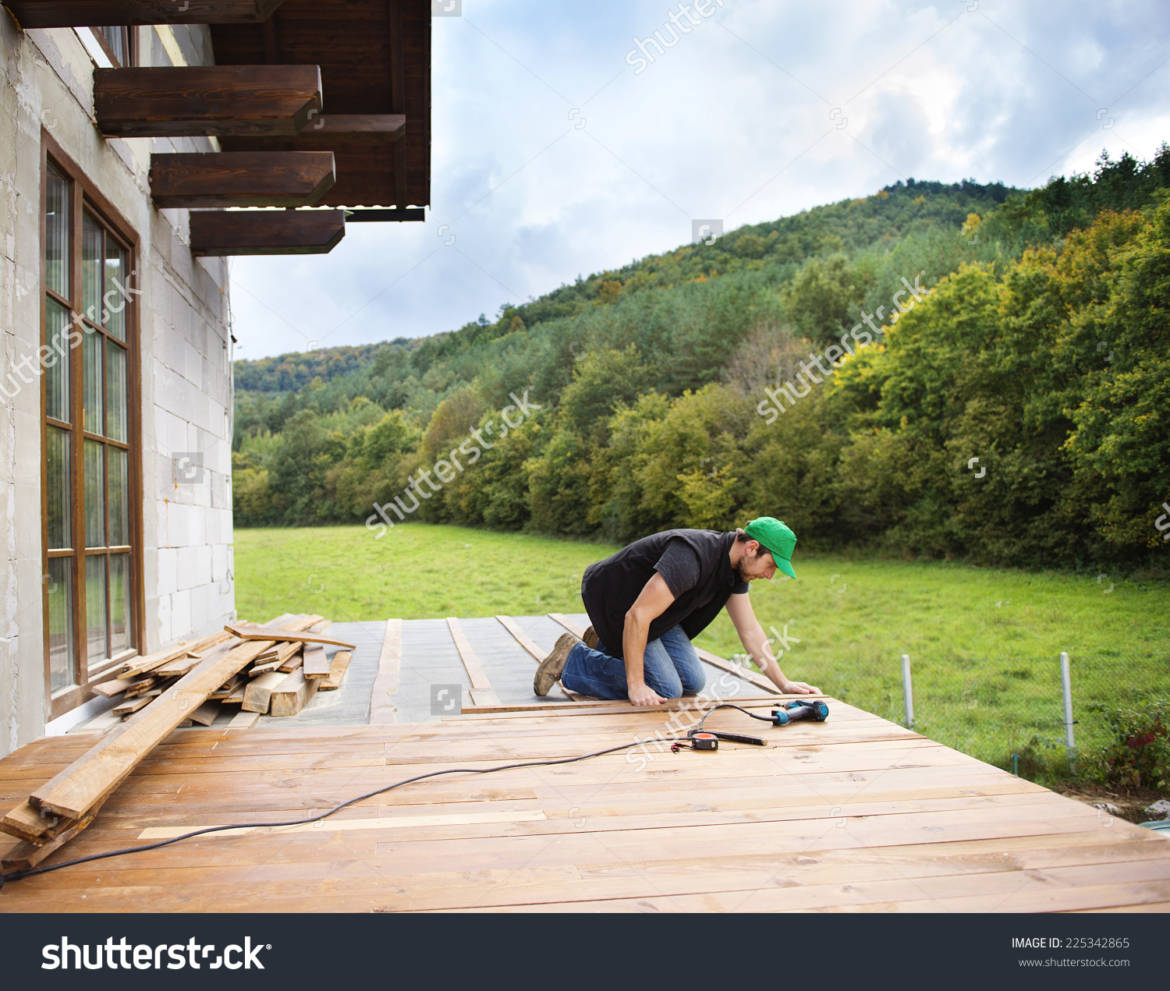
(671, 689)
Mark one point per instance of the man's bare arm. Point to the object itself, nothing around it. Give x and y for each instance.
(652, 602)
(755, 642)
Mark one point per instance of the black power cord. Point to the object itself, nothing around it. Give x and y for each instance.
(18, 875)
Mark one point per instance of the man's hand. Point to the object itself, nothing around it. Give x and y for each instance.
(799, 688)
(643, 695)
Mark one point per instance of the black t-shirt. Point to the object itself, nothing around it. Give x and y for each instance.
(693, 563)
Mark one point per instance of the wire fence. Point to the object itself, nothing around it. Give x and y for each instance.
(1046, 718)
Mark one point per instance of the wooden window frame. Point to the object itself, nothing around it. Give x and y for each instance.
(131, 45)
(85, 196)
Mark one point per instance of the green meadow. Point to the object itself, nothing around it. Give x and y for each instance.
(984, 643)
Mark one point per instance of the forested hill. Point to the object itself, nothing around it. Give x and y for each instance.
(780, 245)
(757, 374)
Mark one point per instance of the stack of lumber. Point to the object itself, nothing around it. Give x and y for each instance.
(274, 668)
(279, 681)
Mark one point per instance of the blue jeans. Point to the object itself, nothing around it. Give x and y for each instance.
(670, 666)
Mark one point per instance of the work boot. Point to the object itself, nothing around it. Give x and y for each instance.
(549, 671)
(590, 638)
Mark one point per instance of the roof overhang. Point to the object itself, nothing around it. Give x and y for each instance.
(374, 57)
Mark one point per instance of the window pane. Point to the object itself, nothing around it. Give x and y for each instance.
(95, 608)
(95, 506)
(115, 391)
(117, 41)
(118, 496)
(92, 404)
(60, 623)
(119, 602)
(57, 460)
(91, 269)
(57, 211)
(116, 297)
(57, 377)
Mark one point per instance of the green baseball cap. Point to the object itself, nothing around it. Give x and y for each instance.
(776, 538)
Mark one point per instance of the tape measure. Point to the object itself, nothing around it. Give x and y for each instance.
(704, 741)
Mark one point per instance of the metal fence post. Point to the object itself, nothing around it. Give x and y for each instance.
(1066, 679)
(907, 691)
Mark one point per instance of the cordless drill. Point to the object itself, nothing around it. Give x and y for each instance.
(798, 709)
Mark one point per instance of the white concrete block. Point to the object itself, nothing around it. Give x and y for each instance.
(167, 580)
(28, 449)
(181, 613)
(202, 571)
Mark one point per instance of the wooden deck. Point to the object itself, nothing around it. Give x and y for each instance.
(855, 814)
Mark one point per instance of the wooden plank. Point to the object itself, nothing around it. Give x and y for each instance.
(740, 671)
(142, 665)
(227, 690)
(337, 669)
(206, 714)
(316, 662)
(115, 686)
(348, 825)
(292, 695)
(23, 855)
(254, 631)
(482, 692)
(241, 178)
(244, 720)
(258, 693)
(536, 653)
(169, 101)
(27, 823)
(181, 665)
(382, 708)
(294, 658)
(88, 780)
(140, 687)
(522, 638)
(266, 232)
(136, 704)
(82, 13)
(574, 628)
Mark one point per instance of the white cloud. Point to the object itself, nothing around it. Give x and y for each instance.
(552, 158)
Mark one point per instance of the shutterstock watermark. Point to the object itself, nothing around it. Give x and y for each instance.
(1162, 523)
(682, 20)
(124, 955)
(862, 334)
(28, 368)
(447, 469)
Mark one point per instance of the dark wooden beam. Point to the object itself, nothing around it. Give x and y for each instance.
(266, 232)
(206, 100)
(241, 178)
(385, 127)
(379, 216)
(331, 132)
(85, 13)
(397, 99)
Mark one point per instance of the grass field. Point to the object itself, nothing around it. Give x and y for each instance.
(984, 643)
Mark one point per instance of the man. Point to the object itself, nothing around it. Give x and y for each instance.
(649, 600)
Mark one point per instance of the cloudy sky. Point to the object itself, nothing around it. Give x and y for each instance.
(572, 137)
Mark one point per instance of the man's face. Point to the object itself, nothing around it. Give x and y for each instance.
(756, 563)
